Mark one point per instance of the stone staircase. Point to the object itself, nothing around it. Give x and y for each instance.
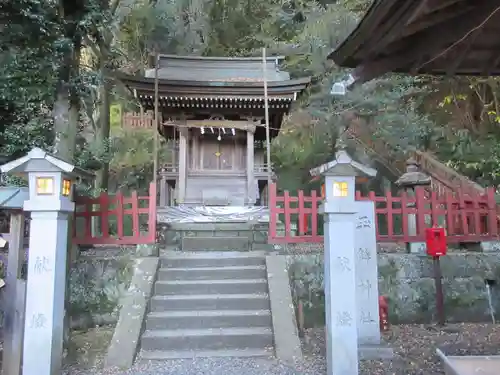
(209, 304)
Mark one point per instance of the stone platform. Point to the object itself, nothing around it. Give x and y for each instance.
(212, 214)
(221, 236)
(213, 228)
(470, 365)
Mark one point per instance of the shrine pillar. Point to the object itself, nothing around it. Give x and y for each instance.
(163, 191)
(181, 183)
(250, 169)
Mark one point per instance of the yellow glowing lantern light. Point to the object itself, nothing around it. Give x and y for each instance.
(45, 185)
(66, 188)
(340, 189)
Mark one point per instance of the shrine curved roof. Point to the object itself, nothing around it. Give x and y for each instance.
(206, 69)
(233, 87)
(13, 197)
(424, 37)
(192, 82)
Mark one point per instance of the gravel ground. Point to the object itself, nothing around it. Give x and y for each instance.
(414, 347)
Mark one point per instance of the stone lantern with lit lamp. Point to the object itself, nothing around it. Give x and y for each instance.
(408, 181)
(50, 202)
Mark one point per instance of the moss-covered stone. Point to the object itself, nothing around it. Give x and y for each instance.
(96, 287)
(407, 282)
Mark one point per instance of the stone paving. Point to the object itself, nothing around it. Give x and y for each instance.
(211, 366)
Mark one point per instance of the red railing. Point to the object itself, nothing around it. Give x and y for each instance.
(444, 179)
(467, 218)
(138, 120)
(115, 219)
(301, 207)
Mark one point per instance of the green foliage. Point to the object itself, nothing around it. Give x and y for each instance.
(405, 112)
(387, 106)
(97, 287)
(28, 56)
(133, 158)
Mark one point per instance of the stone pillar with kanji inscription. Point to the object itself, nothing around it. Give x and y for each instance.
(50, 182)
(341, 279)
(367, 297)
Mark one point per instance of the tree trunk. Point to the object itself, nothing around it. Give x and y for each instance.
(102, 136)
(67, 106)
(65, 146)
(103, 126)
(62, 147)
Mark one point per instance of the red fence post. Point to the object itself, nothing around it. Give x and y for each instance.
(492, 212)
(373, 198)
(104, 214)
(119, 214)
(315, 199)
(434, 205)
(87, 217)
(404, 216)
(450, 215)
(462, 211)
(302, 217)
(286, 211)
(134, 200)
(390, 218)
(420, 213)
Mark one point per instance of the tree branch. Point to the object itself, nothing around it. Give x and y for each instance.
(89, 43)
(114, 6)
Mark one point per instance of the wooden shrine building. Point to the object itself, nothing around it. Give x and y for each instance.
(452, 37)
(213, 109)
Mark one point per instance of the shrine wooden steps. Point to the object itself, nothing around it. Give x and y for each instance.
(444, 178)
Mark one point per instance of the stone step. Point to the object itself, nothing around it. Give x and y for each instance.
(197, 302)
(207, 339)
(216, 226)
(213, 273)
(212, 259)
(229, 286)
(208, 319)
(191, 354)
(218, 233)
(209, 243)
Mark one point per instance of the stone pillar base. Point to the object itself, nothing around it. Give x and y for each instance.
(490, 246)
(417, 248)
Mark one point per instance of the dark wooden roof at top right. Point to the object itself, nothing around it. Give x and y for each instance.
(459, 37)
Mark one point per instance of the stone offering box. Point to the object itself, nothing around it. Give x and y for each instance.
(470, 365)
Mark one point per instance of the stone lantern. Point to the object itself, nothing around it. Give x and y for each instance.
(50, 202)
(410, 180)
(413, 177)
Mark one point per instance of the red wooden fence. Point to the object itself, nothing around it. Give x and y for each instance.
(467, 218)
(118, 220)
